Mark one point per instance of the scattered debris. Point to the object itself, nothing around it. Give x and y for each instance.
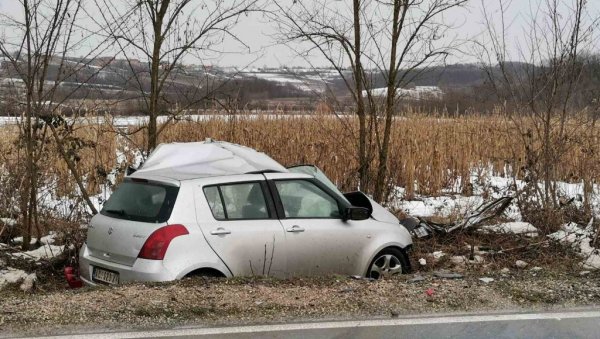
(462, 260)
(436, 256)
(505, 270)
(521, 264)
(584, 273)
(416, 279)
(421, 227)
(447, 275)
(536, 269)
(422, 262)
(359, 277)
(516, 227)
(429, 294)
(486, 280)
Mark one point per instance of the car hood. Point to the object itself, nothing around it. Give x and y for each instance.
(381, 213)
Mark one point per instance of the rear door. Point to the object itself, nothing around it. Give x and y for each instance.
(136, 209)
(318, 241)
(238, 220)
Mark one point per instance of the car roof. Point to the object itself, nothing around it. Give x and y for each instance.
(194, 160)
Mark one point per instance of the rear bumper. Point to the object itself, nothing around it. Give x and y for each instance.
(142, 269)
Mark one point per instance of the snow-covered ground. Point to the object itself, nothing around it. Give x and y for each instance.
(488, 184)
(581, 240)
(457, 206)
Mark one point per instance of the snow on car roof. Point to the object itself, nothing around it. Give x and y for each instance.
(203, 159)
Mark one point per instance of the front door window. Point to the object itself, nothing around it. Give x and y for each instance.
(303, 199)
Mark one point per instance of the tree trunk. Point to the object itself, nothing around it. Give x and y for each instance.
(363, 163)
(379, 194)
(29, 161)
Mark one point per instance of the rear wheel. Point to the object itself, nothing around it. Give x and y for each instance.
(205, 273)
(389, 262)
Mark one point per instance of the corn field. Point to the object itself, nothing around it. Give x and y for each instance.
(428, 154)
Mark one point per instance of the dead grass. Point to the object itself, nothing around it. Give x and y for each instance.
(428, 153)
(497, 250)
(431, 152)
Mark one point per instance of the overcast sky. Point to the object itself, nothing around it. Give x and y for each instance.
(256, 32)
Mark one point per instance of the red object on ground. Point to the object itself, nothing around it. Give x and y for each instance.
(72, 277)
(429, 292)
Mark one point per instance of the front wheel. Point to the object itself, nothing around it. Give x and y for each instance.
(389, 262)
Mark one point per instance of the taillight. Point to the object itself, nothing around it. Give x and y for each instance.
(156, 245)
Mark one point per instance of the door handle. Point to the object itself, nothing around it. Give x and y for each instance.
(295, 229)
(220, 231)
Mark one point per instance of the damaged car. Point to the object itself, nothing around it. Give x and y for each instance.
(220, 209)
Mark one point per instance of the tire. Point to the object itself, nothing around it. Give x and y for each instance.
(205, 273)
(389, 262)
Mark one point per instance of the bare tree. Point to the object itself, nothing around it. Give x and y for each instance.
(36, 50)
(155, 37)
(395, 40)
(537, 78)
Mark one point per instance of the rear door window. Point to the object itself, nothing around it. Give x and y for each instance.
(141, 201)
(237, 201)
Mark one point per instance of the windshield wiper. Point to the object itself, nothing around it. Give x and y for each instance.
(119, 212)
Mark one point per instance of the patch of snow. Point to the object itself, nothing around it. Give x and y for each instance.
(49, 239)
(8, 221)
(580, 239)
(11, 276)
(486, 280)
(422, 262)
(516, 227)
(28, 282)
(440, 206)
(44, 252)
(485, 182)
(437, 255)
(19, 240)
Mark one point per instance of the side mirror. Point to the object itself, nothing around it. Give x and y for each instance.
(357, 213)
(129, 171)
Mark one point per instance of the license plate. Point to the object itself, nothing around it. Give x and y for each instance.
(420, 232)
(105, 276)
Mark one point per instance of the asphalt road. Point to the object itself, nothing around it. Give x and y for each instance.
(566, 324)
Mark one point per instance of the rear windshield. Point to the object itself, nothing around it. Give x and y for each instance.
(141, 201)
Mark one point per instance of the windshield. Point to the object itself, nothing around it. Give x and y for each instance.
(141, 201)
(319, 175)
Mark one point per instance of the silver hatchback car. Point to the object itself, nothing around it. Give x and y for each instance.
(220, 209)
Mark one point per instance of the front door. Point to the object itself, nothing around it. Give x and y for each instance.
(318, 241)
(243, 229)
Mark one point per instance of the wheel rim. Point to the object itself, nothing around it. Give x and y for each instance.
(385, 266)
